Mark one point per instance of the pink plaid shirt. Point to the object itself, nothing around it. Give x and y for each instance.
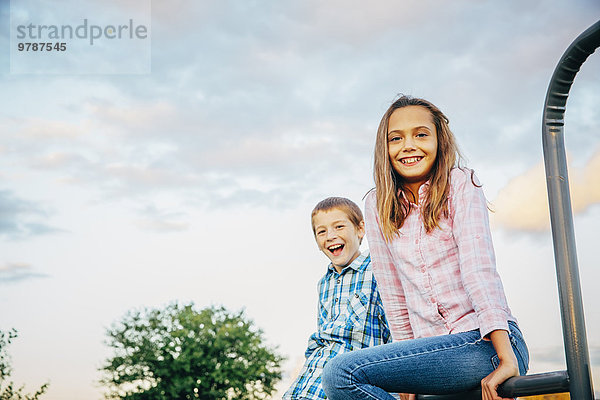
(445, 281)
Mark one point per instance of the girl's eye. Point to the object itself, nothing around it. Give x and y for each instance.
(320, 232)
(422, 134)
(394, 138)
(339, 227)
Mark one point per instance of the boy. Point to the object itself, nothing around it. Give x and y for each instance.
(350, 314)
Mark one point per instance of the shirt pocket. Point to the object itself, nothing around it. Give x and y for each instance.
(358, 307)
(443, 232)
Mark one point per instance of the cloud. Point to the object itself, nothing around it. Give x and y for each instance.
(556, 354)
(280, 198)
(157, 220)
(126, 174)
(137, 118)
(57, 159)
(160, 225)
(20, 218)
(260, 76)
(143, 147)
(16, 272)
(523, 203)
(37, 128)
(248, 156)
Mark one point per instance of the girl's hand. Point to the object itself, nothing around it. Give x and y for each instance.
(489, 385)
(507, 368)
(407, 396)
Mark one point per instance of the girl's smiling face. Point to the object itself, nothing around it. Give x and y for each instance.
(412, 145)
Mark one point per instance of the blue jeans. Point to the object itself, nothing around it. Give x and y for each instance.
(434, 365)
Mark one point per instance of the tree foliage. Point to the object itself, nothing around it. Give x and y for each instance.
(180, 353)
(8, 390)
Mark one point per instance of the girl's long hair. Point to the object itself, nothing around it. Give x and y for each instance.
(392, 206)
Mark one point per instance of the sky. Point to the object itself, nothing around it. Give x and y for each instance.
(185, 169)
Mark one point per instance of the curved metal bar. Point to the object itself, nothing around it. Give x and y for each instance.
(549, 382)
(561, 216)
(528, 385)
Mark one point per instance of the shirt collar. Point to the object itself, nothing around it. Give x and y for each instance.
(422, 192)
(355, 265)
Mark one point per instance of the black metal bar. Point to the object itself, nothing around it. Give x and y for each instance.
(546, 383)
(561, 216)
(549, 382)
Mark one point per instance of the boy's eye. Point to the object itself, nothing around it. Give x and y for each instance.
(339, 226)
(320, 232)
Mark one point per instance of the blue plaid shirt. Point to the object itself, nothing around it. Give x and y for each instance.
(350, 317)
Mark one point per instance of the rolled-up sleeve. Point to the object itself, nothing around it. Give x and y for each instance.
(477, 261)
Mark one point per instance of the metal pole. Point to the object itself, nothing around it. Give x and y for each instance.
(561, 217)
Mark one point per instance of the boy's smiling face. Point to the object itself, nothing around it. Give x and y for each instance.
(337, 237)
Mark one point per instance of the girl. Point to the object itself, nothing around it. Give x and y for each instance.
(432, 254)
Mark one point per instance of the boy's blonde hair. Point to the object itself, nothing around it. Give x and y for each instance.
(346, 205)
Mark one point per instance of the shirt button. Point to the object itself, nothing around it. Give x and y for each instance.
(335, 300)
(423, 268)
(432, 300)
(310, 370)
(417, 241)
(356, 295)
(339, 280)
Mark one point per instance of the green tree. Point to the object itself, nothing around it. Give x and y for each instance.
(8, 390)
(180, 353)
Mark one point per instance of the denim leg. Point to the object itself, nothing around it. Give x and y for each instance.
(435, 365)
(519, 348)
